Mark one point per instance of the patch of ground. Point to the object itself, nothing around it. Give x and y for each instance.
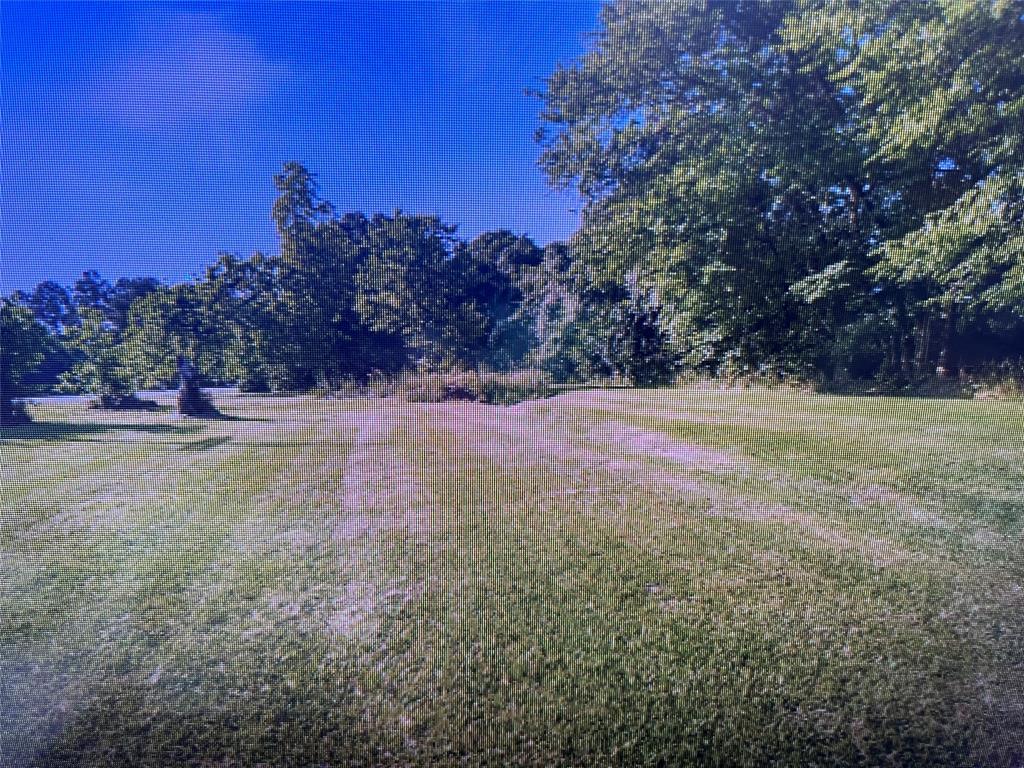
(592, 461)
(896, 504)
(633, 442)
(381, 489)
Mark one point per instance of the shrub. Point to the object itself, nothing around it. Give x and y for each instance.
(510, 388)
(1004, 381)
(431, 388)
(491, 388)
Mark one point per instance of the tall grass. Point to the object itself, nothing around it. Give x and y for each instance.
(438, 387)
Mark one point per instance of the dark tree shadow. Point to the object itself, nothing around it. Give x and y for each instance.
(205, 445)
(58, 431)
(126, 724)
(221, 416)
(929, 389)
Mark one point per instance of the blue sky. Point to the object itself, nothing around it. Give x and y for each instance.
(141, 139)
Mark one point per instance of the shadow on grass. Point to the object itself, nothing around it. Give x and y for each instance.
(133, 725)
(58, 431)
(926, 389)
(232, 417)
(205, 445)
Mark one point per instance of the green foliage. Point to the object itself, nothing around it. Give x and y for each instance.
(23, 346)
(175, 322)
(492, 271)
(50, 303)
(671, 126)
(406, 287)
(639, 344)
(102, 368)
(780, 171)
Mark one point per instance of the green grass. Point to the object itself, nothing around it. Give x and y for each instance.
(670, 577)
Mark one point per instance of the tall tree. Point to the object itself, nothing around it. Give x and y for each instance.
(51, 304)
(176, 332)
(246, 295)
(321, 257)
(940, 96)
(125, 292)
(23, 345)
(568, 320)
(101, 368)
(408, 286)
(697, 140)
(92, 291)
(491, 271)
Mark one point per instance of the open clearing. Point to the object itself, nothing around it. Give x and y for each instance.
(668, 577)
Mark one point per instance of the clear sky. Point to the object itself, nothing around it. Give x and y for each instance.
(140, 139)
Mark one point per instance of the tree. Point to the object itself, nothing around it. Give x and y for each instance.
(101, 368)
(298, 208)
(408, 286)
(490, 272)
(940, 99)
(51, 304)
(246, 295)
(23, 346)
(173, 333)
(698, 141)
(639, 344)
(568, 321)
(325, 335)
(790, 175)
(125, 292)
(91, 291)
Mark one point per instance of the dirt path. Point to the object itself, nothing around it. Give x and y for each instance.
(379, 498)
(381, 490)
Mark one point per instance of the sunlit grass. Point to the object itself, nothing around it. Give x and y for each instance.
(607, 577)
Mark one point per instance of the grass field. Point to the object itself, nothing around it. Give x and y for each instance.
(673, 577)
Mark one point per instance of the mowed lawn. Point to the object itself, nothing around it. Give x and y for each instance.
(671, 577)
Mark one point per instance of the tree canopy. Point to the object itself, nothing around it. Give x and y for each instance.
(784, 172)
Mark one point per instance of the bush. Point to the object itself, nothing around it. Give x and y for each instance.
(14, 412)
(491, 388)
(510, 388)
(254, 384)
(428, 388)
(1004, 381)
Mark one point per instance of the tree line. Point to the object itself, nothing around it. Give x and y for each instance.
(825, 189)
(348, 297)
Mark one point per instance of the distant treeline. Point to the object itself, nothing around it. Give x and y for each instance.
(349, 297)
(822, 190)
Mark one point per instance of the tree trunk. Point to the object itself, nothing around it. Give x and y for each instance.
(923, 349)
(192, 401)
(907, 356)
(947, 367)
